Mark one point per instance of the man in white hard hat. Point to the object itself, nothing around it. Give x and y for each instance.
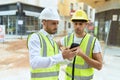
(43, 50)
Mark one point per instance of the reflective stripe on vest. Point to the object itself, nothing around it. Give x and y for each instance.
(44, 74)
(68, 39)
(44, 46)
(82, 69)
(48, 50)
(80, 77)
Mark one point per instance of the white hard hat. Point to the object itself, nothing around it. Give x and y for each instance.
(49, 14)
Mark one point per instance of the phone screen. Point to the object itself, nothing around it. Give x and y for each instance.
(74, 45)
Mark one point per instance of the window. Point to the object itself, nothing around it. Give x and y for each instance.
(71, 6)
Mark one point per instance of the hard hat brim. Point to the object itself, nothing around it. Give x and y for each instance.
(78, 20)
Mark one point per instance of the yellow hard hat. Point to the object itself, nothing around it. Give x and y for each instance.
(79, 15)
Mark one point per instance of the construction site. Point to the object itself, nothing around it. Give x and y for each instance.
(19, 18)
(14, 61)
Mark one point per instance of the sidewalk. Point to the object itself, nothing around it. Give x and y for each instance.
(111, 66)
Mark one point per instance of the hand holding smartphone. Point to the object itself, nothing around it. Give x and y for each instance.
(74, 45)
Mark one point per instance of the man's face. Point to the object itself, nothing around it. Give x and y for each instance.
(79, 27)
(51, 26)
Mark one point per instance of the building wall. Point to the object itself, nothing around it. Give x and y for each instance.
(48, 3)
(102, 5)
(8, 1)
(33, 2)
(111, 4)
(63, 7)
(112, 18)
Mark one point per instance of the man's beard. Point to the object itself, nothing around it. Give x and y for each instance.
(79, 32)
(53, 32)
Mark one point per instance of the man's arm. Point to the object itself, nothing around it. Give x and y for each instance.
(96, 60)
(37, 61)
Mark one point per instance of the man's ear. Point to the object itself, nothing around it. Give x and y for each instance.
(43, 22)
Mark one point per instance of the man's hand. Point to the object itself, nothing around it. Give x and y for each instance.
(95, 61)
(78, 51)
(68, 54)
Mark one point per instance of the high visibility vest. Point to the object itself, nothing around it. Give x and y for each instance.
(79, 69)
(47, 49)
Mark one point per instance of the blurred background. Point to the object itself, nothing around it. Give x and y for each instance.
(18, 18)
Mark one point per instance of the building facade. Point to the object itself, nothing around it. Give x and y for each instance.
(109, 26)
(67, 8)
(108, 21)
(20, 18)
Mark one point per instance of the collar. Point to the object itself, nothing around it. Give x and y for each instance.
(46, 33)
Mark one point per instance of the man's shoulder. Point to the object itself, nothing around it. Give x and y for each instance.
(91, 35)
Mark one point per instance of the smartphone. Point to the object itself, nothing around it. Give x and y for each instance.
(74, 45)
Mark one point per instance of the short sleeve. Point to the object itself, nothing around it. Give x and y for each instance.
(97, 47)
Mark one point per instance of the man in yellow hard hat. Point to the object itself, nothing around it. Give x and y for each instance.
(88, 52)
(44, 53)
